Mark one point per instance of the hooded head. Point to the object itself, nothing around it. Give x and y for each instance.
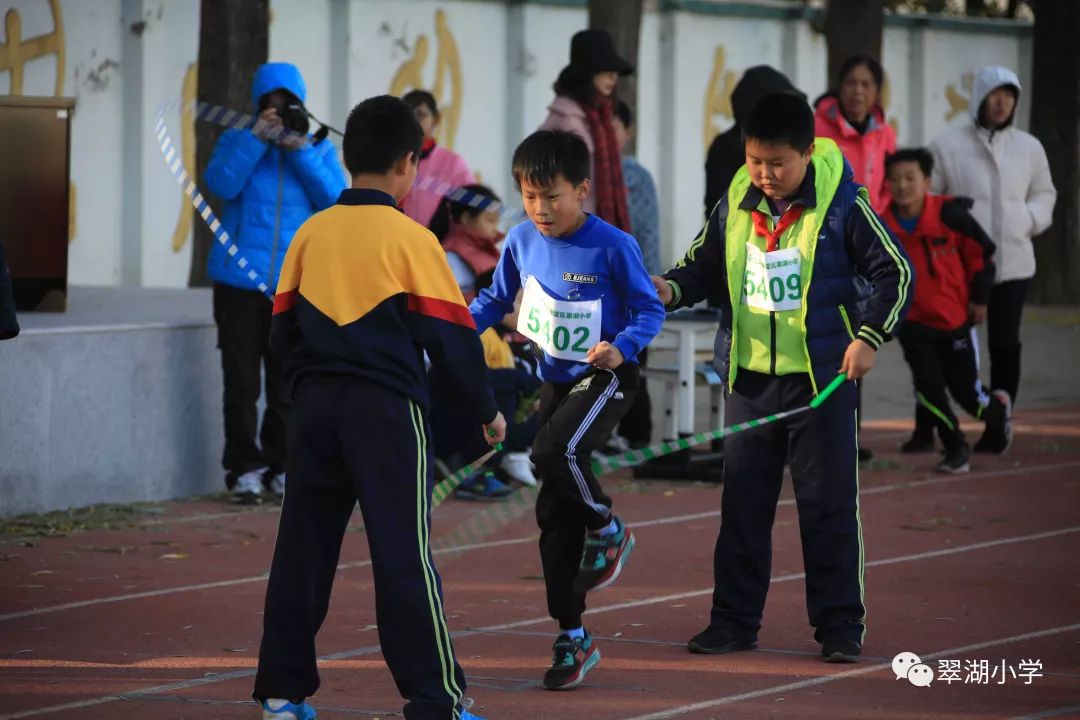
(274, 76)
(986, 82)
(756, 83)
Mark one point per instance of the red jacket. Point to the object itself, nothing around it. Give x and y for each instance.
(952, 258)
(866, 153)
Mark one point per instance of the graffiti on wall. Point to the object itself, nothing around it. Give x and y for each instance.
(16, 51)
(446, 86)
(188, 89)
(959, 98)
(718, 95)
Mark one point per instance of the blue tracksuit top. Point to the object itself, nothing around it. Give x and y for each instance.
(596, 261)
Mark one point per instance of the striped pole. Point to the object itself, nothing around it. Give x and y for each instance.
(637, 457)
(235, 120)
(453, 481)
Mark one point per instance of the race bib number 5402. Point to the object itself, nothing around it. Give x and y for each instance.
(772, 280)
(564, 329)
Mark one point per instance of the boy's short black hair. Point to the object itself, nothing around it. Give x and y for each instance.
(781, 118)
(415, 98)
(546, 154)
(918, 155)
(625, 114)
(380, 130)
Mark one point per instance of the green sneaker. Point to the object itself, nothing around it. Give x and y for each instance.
(603, 558)
(574, 658)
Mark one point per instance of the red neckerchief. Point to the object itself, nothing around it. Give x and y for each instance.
(772, 237)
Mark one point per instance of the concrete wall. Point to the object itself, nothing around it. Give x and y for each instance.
(120, 410)
(493, 62)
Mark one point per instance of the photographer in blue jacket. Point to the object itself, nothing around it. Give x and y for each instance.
(272, 177)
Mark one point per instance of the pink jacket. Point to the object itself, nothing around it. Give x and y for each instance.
(440, 166)
(866, 153)
(567, 114)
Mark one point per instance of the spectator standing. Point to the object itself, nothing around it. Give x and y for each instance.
(437, 164)
(1005, 172)
(584, 105)
(272, 179)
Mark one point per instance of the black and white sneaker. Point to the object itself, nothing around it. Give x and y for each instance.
(248, 489)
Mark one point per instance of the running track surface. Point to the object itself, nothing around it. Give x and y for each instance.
(163, 620)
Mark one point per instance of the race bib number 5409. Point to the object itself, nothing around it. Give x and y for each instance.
(772, 281)
(564, 329)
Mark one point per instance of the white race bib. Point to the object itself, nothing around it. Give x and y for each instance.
(772, 280)
(564, 329)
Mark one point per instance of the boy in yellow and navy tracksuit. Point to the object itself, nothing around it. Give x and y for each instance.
(364, 292)
(780, 253)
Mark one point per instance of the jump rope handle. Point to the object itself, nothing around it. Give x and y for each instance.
(829, 390)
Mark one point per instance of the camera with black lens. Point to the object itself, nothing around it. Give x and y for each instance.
(294, 117)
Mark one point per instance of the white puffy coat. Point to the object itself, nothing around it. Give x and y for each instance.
(1005, 172)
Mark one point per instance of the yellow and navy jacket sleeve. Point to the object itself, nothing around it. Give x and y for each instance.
(880, 258)
(440, 321)
(699, 274)
(364, 291)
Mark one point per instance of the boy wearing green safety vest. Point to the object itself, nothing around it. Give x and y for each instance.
(782, 255)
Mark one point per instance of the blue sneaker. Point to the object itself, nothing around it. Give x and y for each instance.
(278, 709)
(483, 486)
(603, 558)
(574, 658)
(466, 715)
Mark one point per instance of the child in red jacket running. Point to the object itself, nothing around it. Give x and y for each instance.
(952, 258)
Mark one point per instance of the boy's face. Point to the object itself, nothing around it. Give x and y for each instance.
(777, 169)
(556, 208)
(907, 184)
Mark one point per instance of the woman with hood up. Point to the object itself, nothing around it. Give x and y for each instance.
(1005, 172)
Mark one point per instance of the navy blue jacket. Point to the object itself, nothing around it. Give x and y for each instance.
(862, 277)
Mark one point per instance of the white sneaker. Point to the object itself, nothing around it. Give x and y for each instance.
(277, 484)
(519, 467)
(249, 486)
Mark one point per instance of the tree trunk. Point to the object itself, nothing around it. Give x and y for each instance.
(621, 18)
(234, 40)
(852, 27)
(1055, 120)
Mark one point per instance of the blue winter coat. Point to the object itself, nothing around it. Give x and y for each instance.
(268, 191)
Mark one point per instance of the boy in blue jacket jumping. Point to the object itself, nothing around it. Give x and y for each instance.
(589, 308)
(271, 182)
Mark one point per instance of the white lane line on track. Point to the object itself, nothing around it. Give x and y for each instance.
(371, 649)
(878, 490)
